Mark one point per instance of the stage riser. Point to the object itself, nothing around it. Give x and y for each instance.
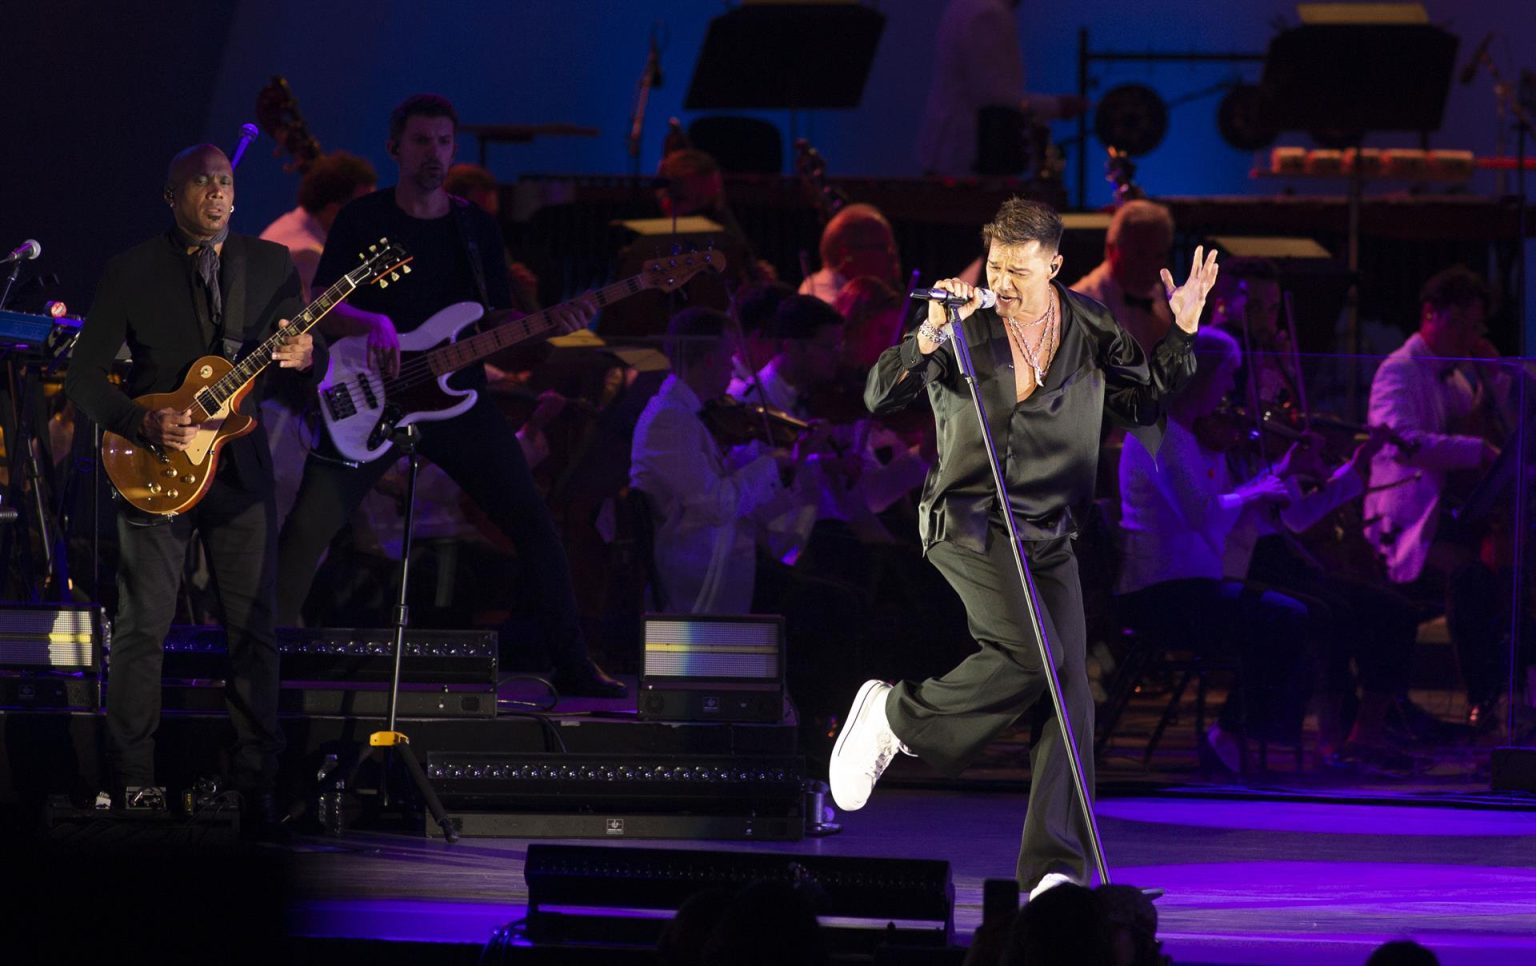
(614, 827)
(346, 702)
(49, 751)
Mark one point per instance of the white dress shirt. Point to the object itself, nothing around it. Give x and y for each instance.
(704, 504)
(1146, 327)
(302, 233)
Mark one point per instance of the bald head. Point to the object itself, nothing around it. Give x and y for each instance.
(200, 188)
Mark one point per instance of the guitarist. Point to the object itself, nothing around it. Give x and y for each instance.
(458, 256)
(193, 290)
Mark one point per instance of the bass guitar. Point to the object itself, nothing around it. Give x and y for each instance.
(362, 408)
(166, 482)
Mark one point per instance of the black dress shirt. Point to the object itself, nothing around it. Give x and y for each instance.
(1050, 441)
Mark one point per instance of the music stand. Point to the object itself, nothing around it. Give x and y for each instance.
(786, 56)
(1342, 80)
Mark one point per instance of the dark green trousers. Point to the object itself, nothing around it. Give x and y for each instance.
(948, 720)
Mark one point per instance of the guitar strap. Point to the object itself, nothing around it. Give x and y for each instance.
(471, 246)
(229, 328)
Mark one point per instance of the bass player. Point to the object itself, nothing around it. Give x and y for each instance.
(459, 256)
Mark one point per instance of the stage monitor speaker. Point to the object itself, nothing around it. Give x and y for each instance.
(50, 657)
(712, 668)
(584, 891)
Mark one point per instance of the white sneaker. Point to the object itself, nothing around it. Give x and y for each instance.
(864, 748)
(1051, 881)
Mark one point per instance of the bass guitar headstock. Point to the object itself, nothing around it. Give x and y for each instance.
(673, 272)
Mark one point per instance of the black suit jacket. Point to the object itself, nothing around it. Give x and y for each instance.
(148, 300)
(1049, 443)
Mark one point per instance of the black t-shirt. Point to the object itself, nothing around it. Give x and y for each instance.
(440, 272)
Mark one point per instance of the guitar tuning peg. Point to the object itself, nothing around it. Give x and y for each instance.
(406, 269)
(383, 283)
(373, 248)
(394, 276)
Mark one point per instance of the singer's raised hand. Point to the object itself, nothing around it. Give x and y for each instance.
(1188, 300)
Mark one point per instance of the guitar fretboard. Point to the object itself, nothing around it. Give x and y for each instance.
(456, 355)
(211, 398)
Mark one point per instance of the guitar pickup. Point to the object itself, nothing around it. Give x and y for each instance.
(338, 401)
(368, 395)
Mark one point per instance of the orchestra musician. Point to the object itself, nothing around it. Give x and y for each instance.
(707, 503)
(458, 256)
(1136, 249)
(1049, 363)
(332, 181)
(856, 242)
(194, 290)
(1433, 392)
(1361, 621)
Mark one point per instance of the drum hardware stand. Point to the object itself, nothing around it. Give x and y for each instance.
(1031, 598)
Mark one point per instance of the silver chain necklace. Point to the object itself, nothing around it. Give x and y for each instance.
(1037, 358)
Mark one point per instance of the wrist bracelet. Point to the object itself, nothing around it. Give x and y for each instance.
(937, 336)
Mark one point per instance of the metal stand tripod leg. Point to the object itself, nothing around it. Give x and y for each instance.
(380, 743)
(1031, 599)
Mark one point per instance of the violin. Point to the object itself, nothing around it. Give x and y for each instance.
(733, 422)
(1232, 427)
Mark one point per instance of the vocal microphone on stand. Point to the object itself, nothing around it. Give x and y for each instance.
(24, 252)
(248, 133)
(988, 297)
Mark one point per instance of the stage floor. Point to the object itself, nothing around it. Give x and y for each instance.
(1249, 878)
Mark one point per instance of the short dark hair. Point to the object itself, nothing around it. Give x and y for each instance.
(420, 105)
(334, 178)
(695, 332)
(756, 304)
(801, 317)
(1455, 287)
(1020, 221)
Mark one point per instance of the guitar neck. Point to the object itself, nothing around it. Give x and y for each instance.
(456, 355)
(213, 397)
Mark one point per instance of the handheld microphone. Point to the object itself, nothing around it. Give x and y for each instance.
(248, 133)
(24, 252)
(1470, 71)
(988, 297)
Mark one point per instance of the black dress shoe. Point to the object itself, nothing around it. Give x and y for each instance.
(587, 680)
(261, 820)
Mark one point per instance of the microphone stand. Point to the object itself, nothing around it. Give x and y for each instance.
(1031, 597)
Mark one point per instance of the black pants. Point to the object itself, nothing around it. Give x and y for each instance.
(479, 450)
(1358, 620)
(237, 530)
(948, 720)
(1270, 633)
